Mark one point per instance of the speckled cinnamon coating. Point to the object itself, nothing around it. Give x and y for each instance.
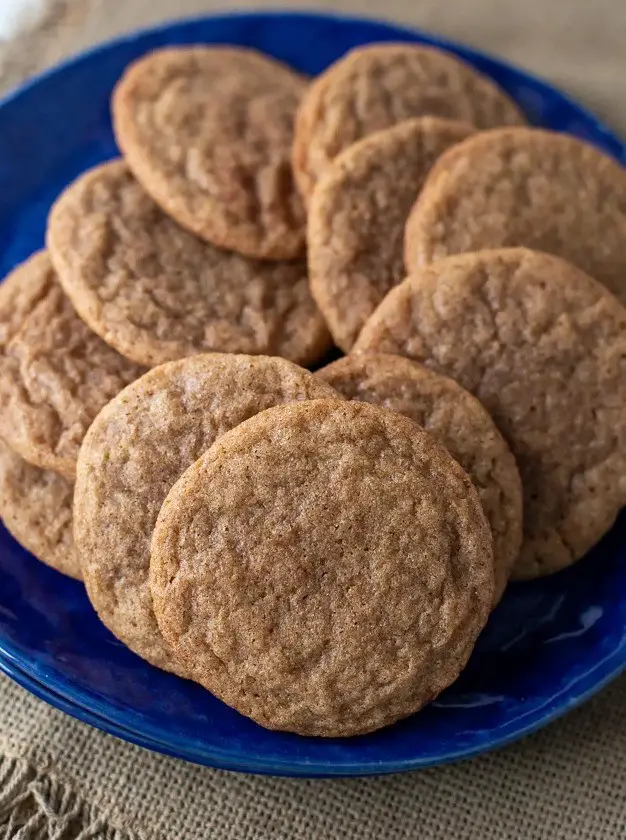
(543, 347)
(324, 568)
(459, 422)
(208, 130)
(137, 447)
(36, 507)
(157, 293)
(55, 374)
(528, 187)
(379, 85)
(357, 214)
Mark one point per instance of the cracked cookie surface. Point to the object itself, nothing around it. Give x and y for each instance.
(357, 215)
(458, 421)
(137, 447)
(208, 133)
(379, 85)
(543, 347)
(156, 292)
(36, 507)
(55, 373)
(324, 568)
(524, 187)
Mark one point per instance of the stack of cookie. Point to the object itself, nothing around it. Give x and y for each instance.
(319, 550)
(512, 241)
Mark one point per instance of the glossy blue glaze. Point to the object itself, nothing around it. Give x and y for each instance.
(548, 646)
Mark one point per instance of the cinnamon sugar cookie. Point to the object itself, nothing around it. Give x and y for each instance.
(459, 422)
(357, 215)
(156, 292)
(207, 130)
(36, 507)
(379, 85)
(543, 347)
(529, 187)
(325, 568)
(55, 374)
(137, 447)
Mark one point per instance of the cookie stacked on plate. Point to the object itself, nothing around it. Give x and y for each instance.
(320, 550)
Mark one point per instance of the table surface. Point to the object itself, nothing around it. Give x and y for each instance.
(60, 778)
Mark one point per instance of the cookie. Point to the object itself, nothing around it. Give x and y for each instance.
(357, 215)
(543, 347)
(137, 447)
(325, 568)
(207, 130)
(157, 293)
(379, 85)
(55, 374)
(459, 422)
(36, 507)
(525, 187)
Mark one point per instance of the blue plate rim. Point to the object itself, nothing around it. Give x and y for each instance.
(430, 37)
(83, 712)
(79, 702)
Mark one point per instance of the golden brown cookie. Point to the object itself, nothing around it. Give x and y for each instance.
(137, 447)
(207, 130)
(325, 568)
(459, 422)
(527, 187)
(543, 347)
(379, 85)
(36, 507)
(156, 292)
(55, 374)
(357, 215)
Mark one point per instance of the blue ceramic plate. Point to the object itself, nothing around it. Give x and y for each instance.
(549, 645)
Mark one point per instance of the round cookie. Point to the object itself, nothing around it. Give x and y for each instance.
(357, 215)
(137, 447)
(36, 507)
(325, 568)
(157, 293)
(379, 85)
(524, 187)
(208, 130)
(543, 347)
(55, 374)
(459, 422)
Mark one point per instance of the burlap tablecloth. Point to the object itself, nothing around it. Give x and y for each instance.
(61, 779)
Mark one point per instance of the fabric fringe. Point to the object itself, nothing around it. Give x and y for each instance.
(36, 806)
